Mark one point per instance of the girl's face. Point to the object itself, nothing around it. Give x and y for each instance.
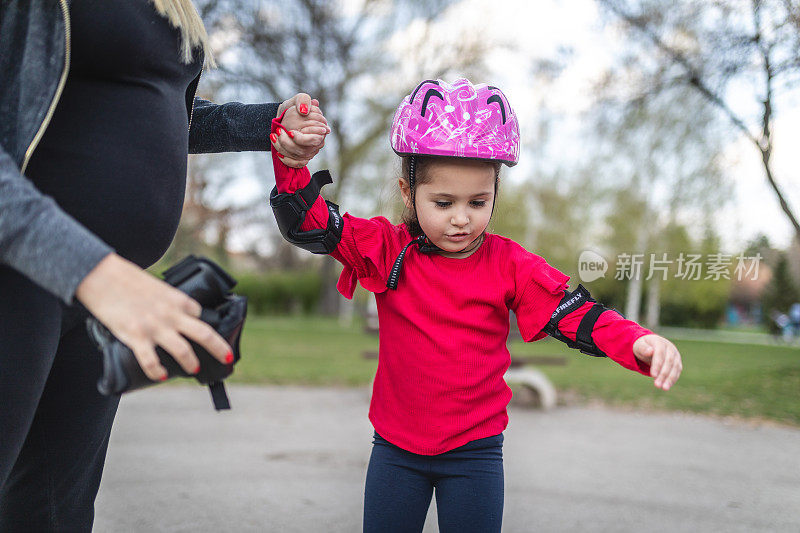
(454, 204)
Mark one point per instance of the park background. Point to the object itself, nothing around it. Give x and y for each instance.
(649, 128)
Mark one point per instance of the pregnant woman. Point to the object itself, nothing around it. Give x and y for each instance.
(97, 115)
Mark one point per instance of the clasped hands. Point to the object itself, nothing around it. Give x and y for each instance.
(306, 128)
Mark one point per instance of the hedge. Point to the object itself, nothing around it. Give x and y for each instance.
(280, 292)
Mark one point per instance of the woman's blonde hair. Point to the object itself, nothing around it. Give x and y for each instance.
(183, 15)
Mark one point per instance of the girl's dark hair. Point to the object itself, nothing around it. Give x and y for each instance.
(421, 175)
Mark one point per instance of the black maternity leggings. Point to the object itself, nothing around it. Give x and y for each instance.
(54, 425)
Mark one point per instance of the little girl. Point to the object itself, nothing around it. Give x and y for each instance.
(444, 288)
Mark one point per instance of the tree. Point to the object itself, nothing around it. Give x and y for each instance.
(780, 293)
(354, 60)
(659, 155)
(717, 48)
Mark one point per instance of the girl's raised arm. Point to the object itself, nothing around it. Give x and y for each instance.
(289, 130)
(363, 246)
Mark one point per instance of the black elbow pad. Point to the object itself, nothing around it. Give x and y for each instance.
(571, 302)
(290, 211)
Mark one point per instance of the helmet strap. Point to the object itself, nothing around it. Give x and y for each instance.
(412, 181)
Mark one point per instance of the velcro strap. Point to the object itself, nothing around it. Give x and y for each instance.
(583, 336)
(309, 194)
(219, 396)
(571, 302)
(334, 219)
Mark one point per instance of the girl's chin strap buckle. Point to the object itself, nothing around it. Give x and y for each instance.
(425, 246)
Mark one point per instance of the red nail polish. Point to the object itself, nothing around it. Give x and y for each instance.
(280, 155)
(290, 134)
(229, 358)
(273, 137)
(303, 109)
(163, 378)
(196, 370)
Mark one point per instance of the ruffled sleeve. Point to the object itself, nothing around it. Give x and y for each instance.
(367, 251)
(540, 288)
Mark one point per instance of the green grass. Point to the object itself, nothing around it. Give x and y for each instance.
(305, 350)
(718, 378)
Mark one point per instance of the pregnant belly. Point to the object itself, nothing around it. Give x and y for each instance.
(136, 217)
(134, 204)
(138, 224)
(116, 162)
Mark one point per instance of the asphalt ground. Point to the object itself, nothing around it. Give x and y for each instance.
(293, 459)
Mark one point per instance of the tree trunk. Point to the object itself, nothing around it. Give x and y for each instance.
(634, 300)
(329, 299)
(765, 158)
(653, 302)
(347, 311)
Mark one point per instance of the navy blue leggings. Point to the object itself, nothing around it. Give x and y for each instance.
(468, 483)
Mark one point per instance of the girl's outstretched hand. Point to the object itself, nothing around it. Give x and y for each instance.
(663, 358)
(304, 134)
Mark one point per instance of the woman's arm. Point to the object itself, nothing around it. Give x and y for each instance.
(236, 127)
(230, 127)
(40, 240)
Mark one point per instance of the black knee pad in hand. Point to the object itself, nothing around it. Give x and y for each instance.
(207, 283)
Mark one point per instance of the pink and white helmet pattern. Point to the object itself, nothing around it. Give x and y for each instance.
(458, 120)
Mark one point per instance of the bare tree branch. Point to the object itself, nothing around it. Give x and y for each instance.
(726, 53)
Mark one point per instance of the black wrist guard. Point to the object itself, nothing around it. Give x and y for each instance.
(207, 283)
(571, 302)
(290, 211)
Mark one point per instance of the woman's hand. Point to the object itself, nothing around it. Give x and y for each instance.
(307, 128)
(144, 312)
(663, 358)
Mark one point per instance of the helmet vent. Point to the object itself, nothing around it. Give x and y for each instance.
(496, 98)
(420, 87)
(431, 92)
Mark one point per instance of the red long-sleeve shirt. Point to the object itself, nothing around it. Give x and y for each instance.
(443, 331)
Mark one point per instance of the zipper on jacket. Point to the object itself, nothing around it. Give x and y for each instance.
(59, 89)
(191, 112)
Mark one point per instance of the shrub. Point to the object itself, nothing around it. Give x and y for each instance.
(280, 292)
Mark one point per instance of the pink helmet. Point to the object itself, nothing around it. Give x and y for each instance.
(458, 120)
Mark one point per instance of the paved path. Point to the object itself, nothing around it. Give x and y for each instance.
(291, 459)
